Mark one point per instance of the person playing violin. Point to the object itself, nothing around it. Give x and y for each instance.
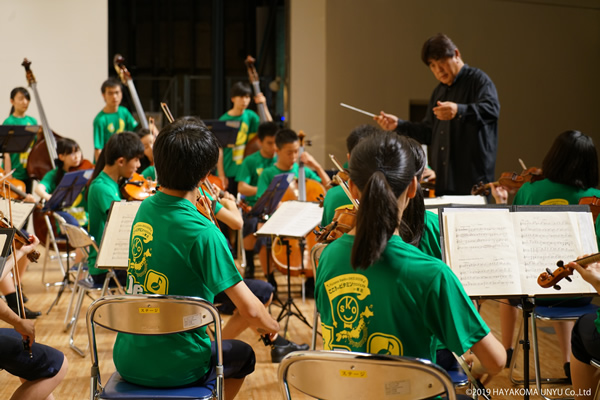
(287, 145)
(401, 299)
(69, 158)
(121, 159)
(45, 369)
(570, 171)
(147, 138)
(19, 100)
(189, 257)
(113, 118)
(231, 159)
(247, 177)
(461, 123)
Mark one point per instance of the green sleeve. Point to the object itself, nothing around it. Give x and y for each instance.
(49, 180)
(98, 134)
(130, 122)
(244, 173)
(263, 182)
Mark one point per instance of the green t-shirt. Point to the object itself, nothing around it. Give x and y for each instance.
(190, 258)
(233, 157)
(149, 172)
(335, 198)
(251, 169)
(107, 124)
(546, 192)
(103, 191)
(18, 161)
(430, 240)
(268, 174)
(401, 305)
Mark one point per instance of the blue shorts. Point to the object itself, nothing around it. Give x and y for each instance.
(46, 361)
(261, 289)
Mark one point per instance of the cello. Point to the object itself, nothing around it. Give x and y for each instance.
(119, 64)
(252, 145)
(42, 156)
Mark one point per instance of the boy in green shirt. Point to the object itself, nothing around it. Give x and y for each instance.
(247, 178)
(122, 156)
(113, 118)
(189, 258)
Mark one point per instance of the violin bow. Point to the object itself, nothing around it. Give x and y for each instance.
(167, 112)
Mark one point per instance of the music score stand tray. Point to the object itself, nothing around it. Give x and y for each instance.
(225, 131)
(16, 138)
(65, 194)
(287, 223)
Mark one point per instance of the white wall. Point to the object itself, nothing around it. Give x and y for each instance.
(67, 43)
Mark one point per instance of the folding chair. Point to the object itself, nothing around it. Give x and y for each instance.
(315, 254)
(345, 375)
(58, 244)
(546, 314)
(177, 314)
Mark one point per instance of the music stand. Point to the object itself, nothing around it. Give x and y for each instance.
(6, 237)
(65, 194)
(225, 131)
(293, 220)
(16, 138)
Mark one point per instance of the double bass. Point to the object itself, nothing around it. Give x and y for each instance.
(252, 145)
(119, 64)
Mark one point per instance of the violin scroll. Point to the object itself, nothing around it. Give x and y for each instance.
(550, 279)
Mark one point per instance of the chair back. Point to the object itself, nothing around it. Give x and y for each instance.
(345, 375)
(315, 254)
(78, 237)
(152, 315)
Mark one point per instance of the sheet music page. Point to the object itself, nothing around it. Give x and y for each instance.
(114, 251)
(293, 219)
(446, 200)
(481, 250)
(547, 237)
(20, 211)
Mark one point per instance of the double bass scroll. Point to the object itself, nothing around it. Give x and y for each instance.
(119, 64)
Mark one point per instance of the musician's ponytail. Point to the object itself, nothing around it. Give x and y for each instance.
(382, 166)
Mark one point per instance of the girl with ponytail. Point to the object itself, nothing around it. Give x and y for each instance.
(378, 293)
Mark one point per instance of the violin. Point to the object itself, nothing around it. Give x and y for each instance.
(550, 279)
(594, 203)
(344, 220)
(137, 188)
(42, 155)
(83, 165)
(252, 146)
(20, 239)
(16, 187)
(510, 180)
(119, 64)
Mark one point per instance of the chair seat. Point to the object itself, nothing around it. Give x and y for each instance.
(564, 312)
(458, 377)
(118, 388)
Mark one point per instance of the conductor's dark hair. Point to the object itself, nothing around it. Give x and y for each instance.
(240, 89)
(359, 133)
(64, 146)
(413, 217)
(125, 144)
(13, 94)
(437, 47)
(185, 152)
(109, 83)
(267, 129)
(285, 136)
(382, 166)
(572, 160)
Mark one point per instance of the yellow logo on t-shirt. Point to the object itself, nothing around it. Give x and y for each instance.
(141, 236)
(156, 282)
(555, 202)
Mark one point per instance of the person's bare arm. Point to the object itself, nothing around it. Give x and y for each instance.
(97, 154)
(490, 356)
(246, 189)
(312, 163)
(230, 214)
(40, 190)
(251, 309)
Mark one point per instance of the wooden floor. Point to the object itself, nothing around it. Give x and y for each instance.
(262, 384)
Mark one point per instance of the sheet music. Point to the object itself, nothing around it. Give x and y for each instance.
(20, 211)
(482, 252)
(293, 219)
(545, 238)
(114, 250)
(446, 200)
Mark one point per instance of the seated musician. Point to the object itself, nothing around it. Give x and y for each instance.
(247, 177)
(570, 172)
(398, 299)
(585, 339)
(69, 158)
(147, 137)
(185, 254)
(45, 369)
(121, 159)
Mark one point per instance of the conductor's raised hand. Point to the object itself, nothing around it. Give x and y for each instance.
(388, 122)
(445, 110)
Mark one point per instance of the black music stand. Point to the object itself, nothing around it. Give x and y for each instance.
(6, 238)
(225, 131)
(16, 138)
(65, 194)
